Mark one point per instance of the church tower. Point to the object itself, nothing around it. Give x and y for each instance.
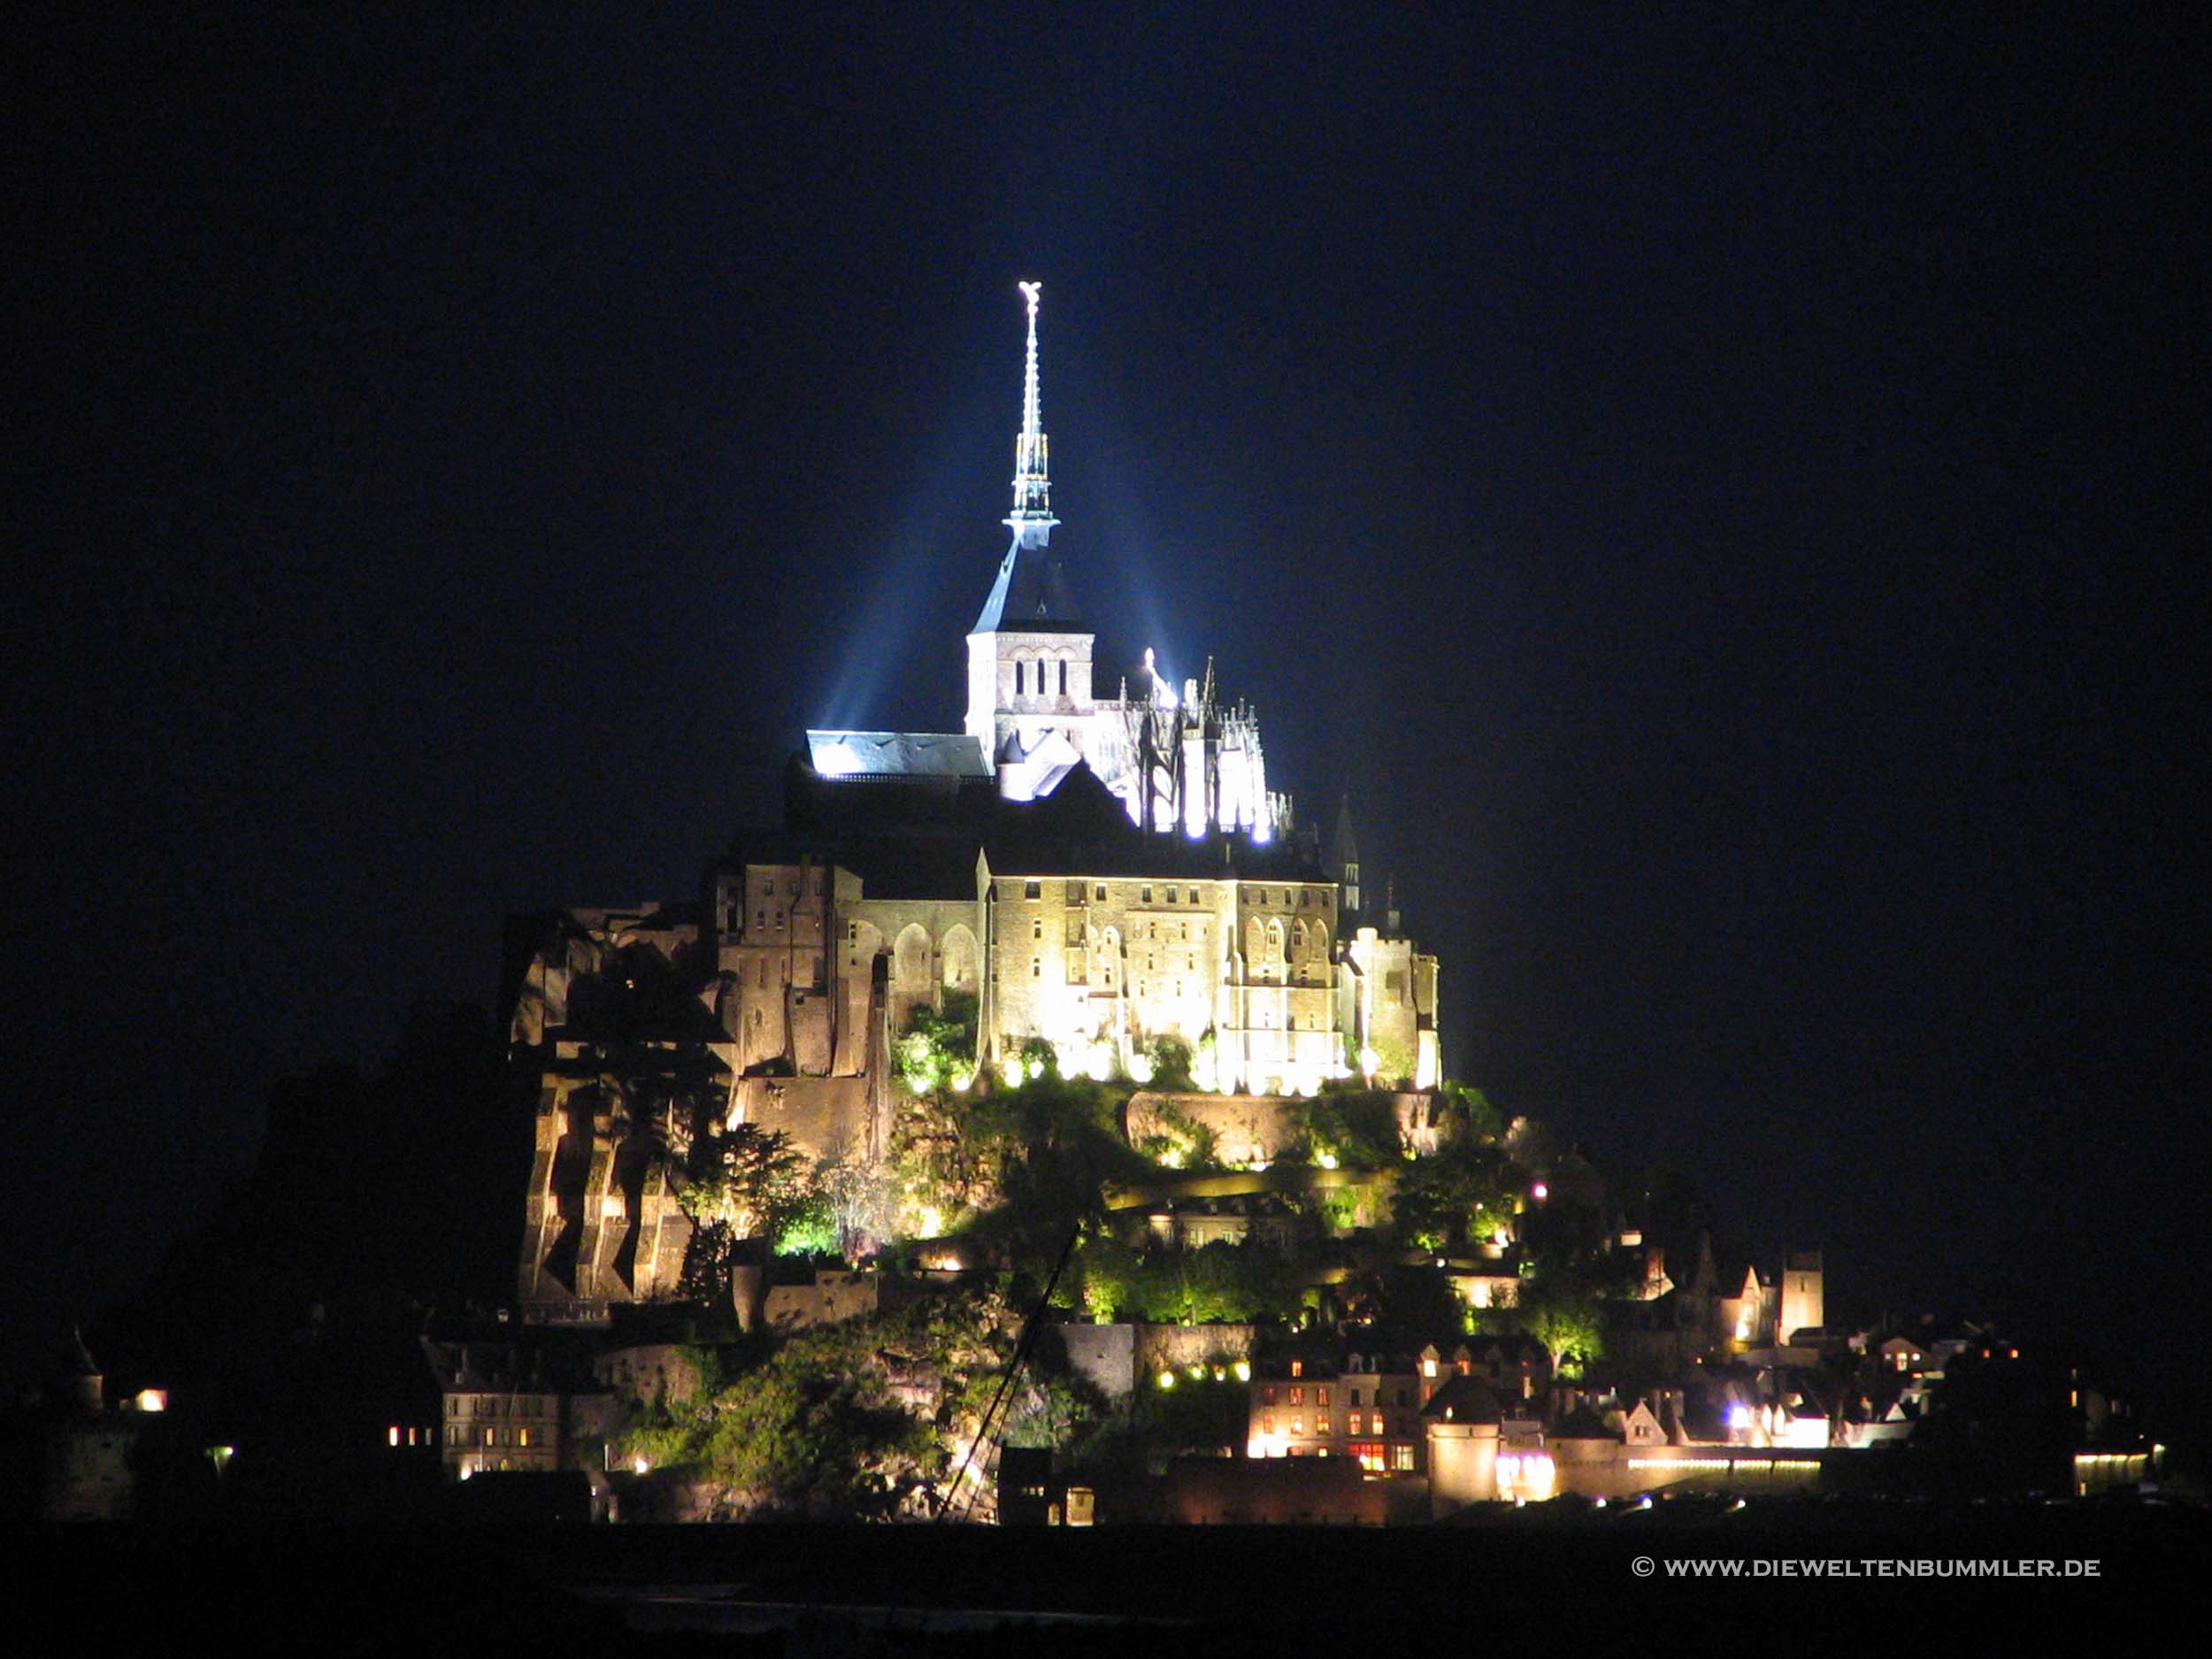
(1030, 702)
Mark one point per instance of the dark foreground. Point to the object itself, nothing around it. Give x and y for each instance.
(1535, 1581)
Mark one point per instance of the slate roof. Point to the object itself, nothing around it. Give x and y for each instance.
(1030, 594)
(897, 755)
(1464, 1400)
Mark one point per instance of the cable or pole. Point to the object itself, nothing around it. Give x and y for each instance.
(1013, 1369)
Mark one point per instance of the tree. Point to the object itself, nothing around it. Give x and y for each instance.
(1358, 1128)
(1566, 1321)
(1461, 1193)
(937, 1051)
(741, 1183)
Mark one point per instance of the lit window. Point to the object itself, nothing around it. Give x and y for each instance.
(522, 1437)
(1297, 1368)
(1321, 1424)
(1298, 1423)
(1298, 1396)
(1321, 1396)
(392, 1435)
(1401, 1459)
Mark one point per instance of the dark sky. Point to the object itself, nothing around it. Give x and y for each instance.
(1728, 496)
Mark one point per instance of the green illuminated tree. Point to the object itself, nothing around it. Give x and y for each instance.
(740, 1185)
(1566, 1321)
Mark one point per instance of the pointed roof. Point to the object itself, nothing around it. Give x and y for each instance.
(1030, 594)
(1343, 845)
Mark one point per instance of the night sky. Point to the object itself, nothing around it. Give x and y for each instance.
(1727, 497)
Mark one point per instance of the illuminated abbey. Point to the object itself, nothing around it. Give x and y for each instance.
(1088, 868)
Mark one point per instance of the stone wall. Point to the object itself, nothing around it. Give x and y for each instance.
(822, 1115)
(1115, 1358)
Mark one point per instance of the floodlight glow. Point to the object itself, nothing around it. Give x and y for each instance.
(837, 761)
(1244, 1371)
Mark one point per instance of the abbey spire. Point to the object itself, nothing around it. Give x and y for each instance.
(1032, 590)
(1032, 520)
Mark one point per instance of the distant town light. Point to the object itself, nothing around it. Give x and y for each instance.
(1539, 1192)
(152, 1400)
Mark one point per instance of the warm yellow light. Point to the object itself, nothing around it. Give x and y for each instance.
(1244, 1371)
(152, 1400)
(1167, 1380)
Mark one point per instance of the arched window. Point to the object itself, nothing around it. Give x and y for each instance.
(1021, 674)
(1064, 676)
